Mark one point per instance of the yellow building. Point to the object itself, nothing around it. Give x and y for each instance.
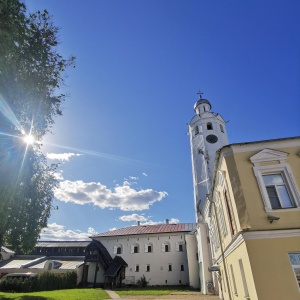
(253, 212)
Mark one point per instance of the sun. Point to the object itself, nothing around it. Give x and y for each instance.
(29, 139)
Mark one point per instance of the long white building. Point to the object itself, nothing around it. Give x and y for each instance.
(158, 252)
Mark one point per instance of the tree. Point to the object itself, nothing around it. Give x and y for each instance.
(31, 73)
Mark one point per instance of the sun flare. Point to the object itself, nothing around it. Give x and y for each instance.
(29, 139)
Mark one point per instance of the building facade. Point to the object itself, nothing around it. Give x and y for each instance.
(253, 214)
(158, 252)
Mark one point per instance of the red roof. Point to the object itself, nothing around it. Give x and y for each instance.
(149, 229)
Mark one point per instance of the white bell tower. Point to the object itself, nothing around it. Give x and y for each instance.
(207, 134)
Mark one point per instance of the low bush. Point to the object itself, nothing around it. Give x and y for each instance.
(142, 282)
(46, 281)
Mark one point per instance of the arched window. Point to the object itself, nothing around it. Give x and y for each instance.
(118, 249)
(165, 247)
(221, 128)
(148, 248)
(135, 248)
(179, 246)
(209, 126)
(196, 130)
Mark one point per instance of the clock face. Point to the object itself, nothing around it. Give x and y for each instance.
(212, 138)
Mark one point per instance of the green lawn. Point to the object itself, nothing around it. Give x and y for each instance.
(155, 291)
(73, 294)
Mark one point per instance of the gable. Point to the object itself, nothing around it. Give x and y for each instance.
(268, 155)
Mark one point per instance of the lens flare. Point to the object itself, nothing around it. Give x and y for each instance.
(29, 139)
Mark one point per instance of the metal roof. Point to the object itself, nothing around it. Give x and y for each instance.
(16, 261)
(149, 229)
(68, 262)
(62, 243)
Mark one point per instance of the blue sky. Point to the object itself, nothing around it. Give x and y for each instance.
(122, 139)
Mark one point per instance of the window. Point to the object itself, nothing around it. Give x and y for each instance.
(137, 268)
(209, 126)
(295, 262)
(134, 248)
(275, 180)
(196, 130)
(277, 191)
(169, 267)
(148, 248)
(179, 246)
(165, 247)
(221, 128)
(181, 267)
(118, 249)
(233, 280)
(229, 212)
(246, 292)
(148, 268)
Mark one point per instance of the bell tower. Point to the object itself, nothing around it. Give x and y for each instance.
(207, 134)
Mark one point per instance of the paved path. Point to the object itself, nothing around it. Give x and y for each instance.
(172, 296)
(112, 294)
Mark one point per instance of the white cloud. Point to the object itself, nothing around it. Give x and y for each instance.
(145, 174)
(61, 156)
(58, 175)
(133, 217)
(112, 229)
(55, 232)
(133, 178)
(123, 197)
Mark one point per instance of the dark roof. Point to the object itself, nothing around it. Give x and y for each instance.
(115, 266)
(149, 229)
(104, 255)
(62, 243)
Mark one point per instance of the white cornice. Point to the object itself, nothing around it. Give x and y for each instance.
(258, 235)
(271, 234)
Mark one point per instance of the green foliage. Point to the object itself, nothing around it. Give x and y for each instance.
(31, 73)
(17, 284)
(74, 294)
(46, 281)
(142, 282)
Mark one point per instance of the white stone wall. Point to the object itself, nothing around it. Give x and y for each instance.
(158, 259)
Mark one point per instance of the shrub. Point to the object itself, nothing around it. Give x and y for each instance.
(142, 282)
(46, 281)
(17, 284)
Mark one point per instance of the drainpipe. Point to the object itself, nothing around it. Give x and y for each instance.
(222, 249)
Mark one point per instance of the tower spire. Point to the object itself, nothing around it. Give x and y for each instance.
(200, 95)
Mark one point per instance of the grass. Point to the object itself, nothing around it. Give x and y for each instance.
(72, 294)
(153, 291)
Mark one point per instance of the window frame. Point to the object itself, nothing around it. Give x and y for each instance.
(275, 188)
(295, 266)
(279, 168)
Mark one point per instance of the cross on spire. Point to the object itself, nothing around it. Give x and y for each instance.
(200, 94)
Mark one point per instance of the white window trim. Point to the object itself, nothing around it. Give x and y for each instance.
(294, 267)
(268, 155)
(146, 248)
